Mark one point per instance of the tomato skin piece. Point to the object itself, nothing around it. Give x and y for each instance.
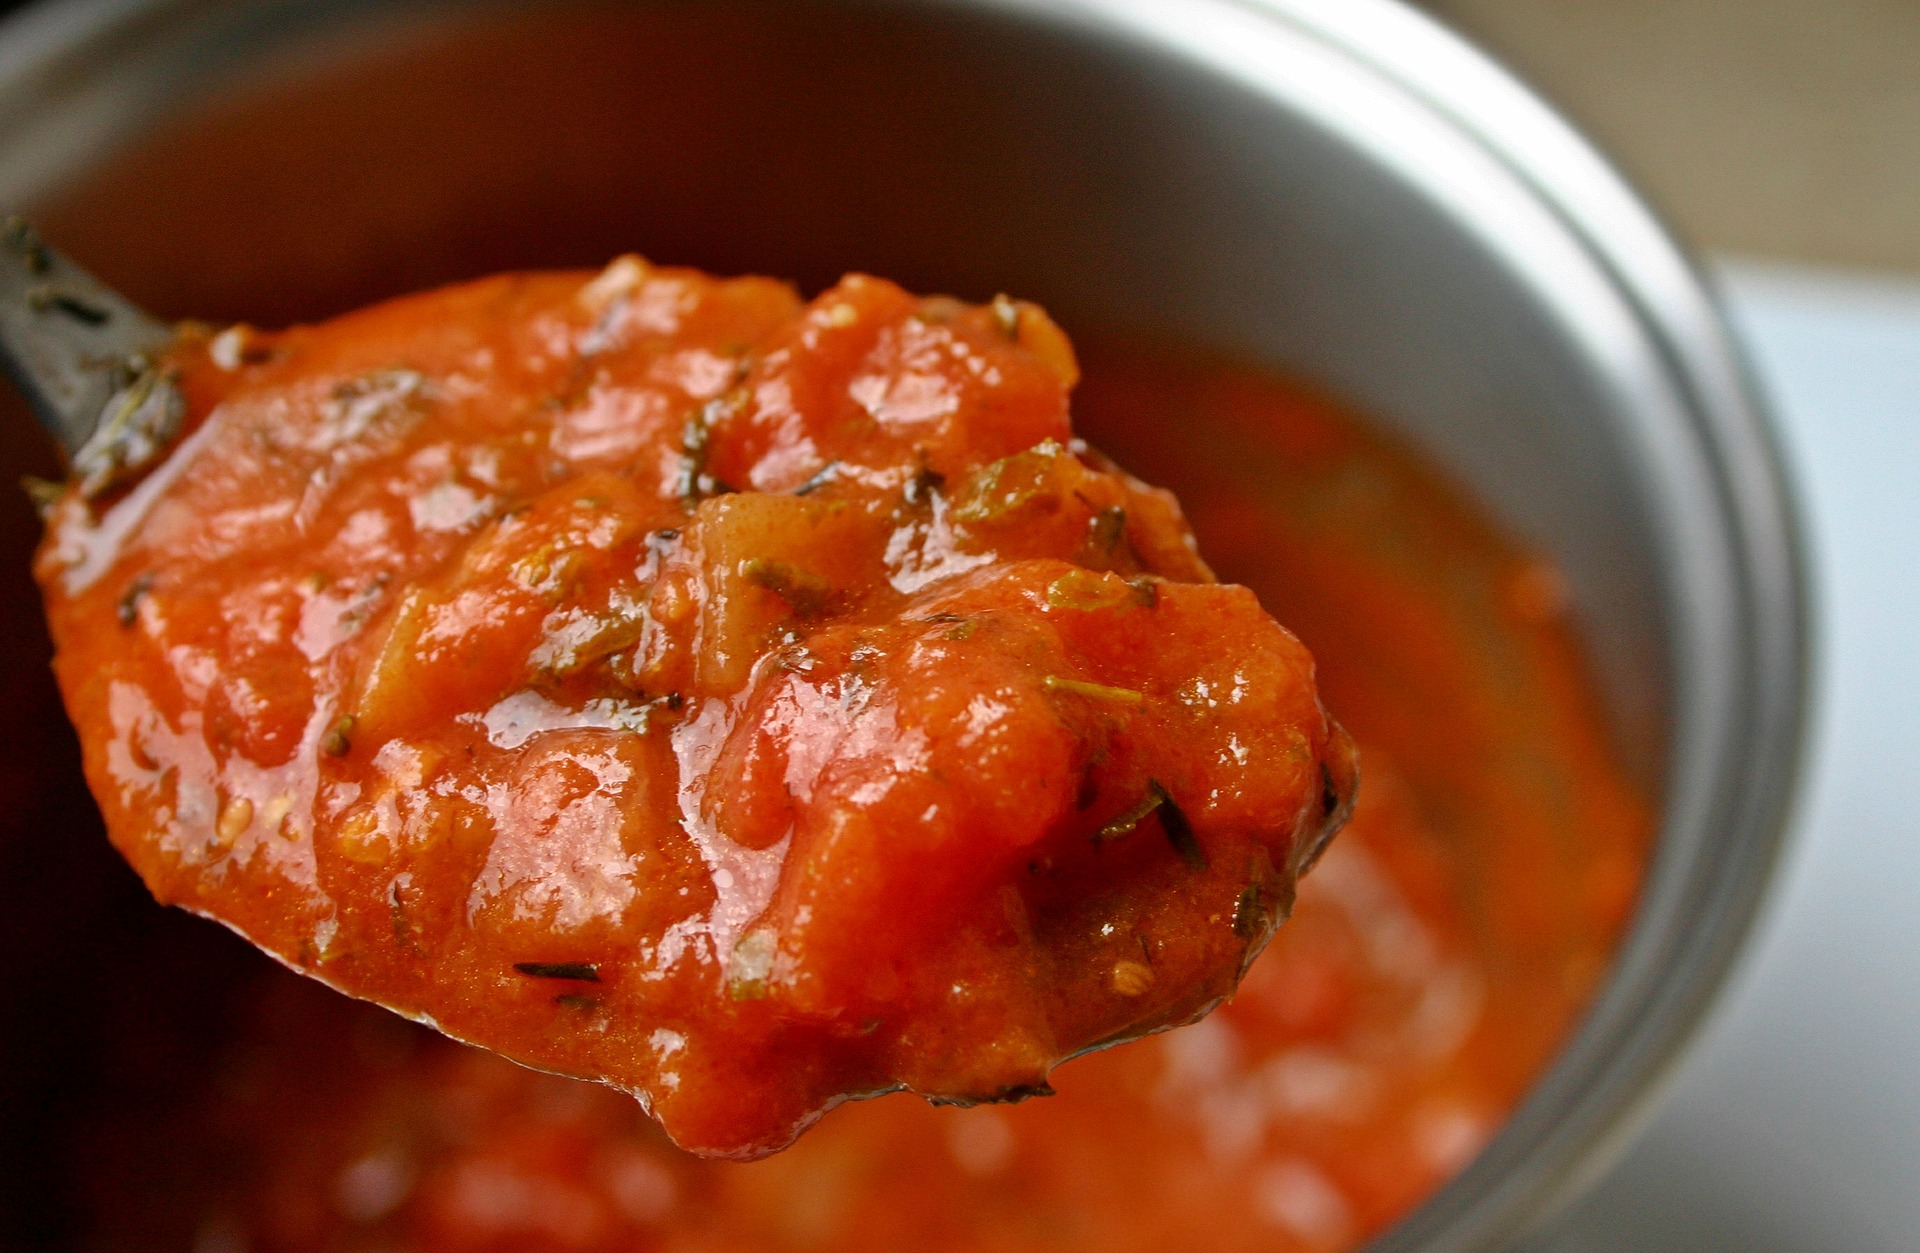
(654, 680)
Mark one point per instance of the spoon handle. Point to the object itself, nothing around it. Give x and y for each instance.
(78, 351)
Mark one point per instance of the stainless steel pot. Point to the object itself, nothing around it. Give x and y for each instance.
(1337, 187)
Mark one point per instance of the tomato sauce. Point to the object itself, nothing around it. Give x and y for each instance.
(1436, 958)
(657, 680)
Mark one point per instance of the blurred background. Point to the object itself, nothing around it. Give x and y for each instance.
(1768, 128)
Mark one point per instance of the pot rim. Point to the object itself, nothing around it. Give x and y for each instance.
(1746, 762)
(1740, 736)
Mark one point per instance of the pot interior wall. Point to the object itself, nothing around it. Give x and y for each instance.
(329, 154)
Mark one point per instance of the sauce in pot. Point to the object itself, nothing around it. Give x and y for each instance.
(1436, 958)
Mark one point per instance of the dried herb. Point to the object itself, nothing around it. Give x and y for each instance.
(1146, 591)
(804, 590)
(364, 602)
(695, 484)
(1172, 820)
(337, 742)
(580, 972)
(402, 925)
(1250, 914)
(959, 626)
(137, 425)
(573, 1000)
(1088, 591)
(1012, 1094)
(127, 609)
(924, 485)
(821, 477)
(1107, 530)
(1180, 831)
(1018, 484)
(1329, 794)
(49, 299)
(1092, 691)
(1124, 823)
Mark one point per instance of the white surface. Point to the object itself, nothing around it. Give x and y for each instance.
(1796, 1123)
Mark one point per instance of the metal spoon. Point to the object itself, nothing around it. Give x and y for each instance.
(86, 358)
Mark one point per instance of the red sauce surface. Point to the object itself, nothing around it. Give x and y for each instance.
(657, 680)
(1435, 960)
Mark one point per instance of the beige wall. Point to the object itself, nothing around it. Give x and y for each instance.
(1787, 128)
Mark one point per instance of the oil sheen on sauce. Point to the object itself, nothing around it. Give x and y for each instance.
(1437, 957)
(748, 703)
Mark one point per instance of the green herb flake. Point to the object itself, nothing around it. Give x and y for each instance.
(959, 627)
(579, 972)
(397, 911)
(924, 486)
(1250, 914)
(1180, 831)
(821, 477)
(696, 437)
(1172, 820)
(1088, 592)
(46, 298)
(403, 933)
(138, 425)
(1092, 691)
(806, 592)
(1107, 530)
(1124, 823)
(1012, 485)
(338, 742)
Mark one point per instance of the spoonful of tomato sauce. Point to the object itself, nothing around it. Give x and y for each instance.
(747, 703)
